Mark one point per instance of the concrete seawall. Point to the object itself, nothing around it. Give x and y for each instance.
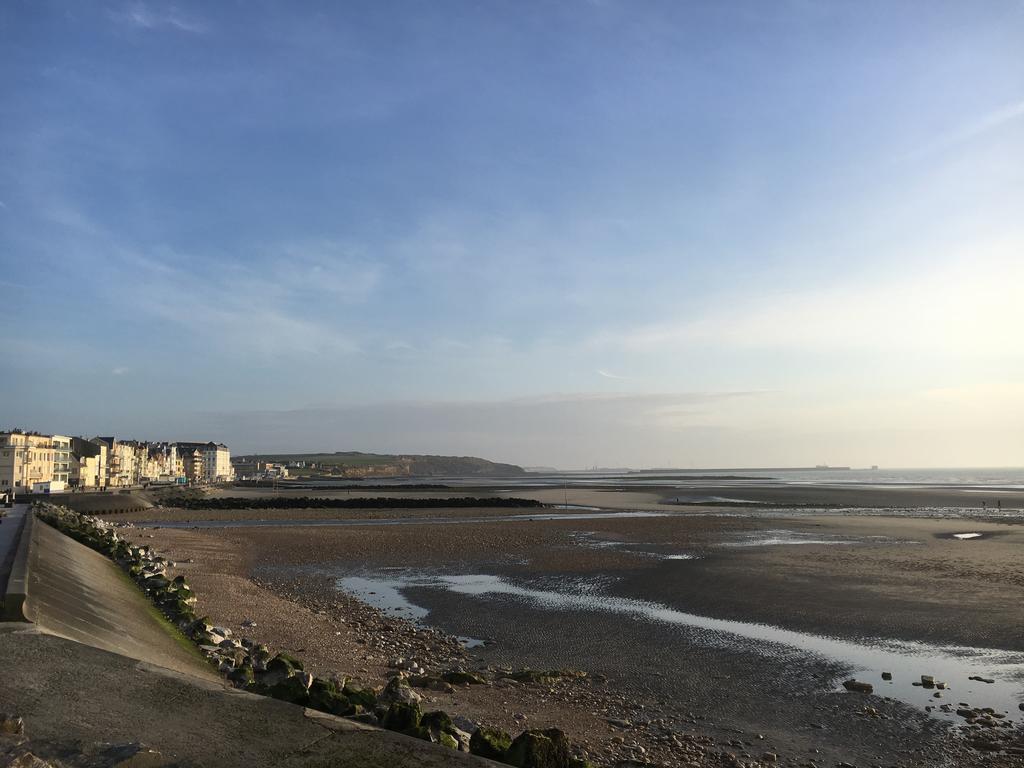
(15, 534)
(81, 595)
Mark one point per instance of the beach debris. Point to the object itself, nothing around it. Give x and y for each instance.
(980, 679)
(966, 536)
(541, 677)
(28, 760)
(132, 755)
(887, 675)
(458, 677)
(430, 683)
(11, 725)
(857, 686)
(927, 681)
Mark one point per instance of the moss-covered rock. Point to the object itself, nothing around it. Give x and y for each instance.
(491, 743)
(364, 697)
(437, 720)
(325, 696)
(278, 669)
(287, 657)
(404, 718)
(242, 675)
(445, 739)
(291, 689)
(540, 749)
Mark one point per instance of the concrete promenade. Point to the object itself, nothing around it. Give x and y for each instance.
(99, 666)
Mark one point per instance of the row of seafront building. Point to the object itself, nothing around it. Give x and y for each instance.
(33, 462)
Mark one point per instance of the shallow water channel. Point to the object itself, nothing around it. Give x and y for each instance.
(865, 660)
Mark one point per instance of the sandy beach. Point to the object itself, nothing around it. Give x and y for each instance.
(616, 597)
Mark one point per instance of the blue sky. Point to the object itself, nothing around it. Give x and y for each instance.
(625, 233)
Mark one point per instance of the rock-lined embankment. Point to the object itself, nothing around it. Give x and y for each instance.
(253, 667)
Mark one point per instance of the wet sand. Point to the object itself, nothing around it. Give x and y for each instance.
(888, 577)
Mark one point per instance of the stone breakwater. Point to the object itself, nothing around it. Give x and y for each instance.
(318, 502)
(253, 667)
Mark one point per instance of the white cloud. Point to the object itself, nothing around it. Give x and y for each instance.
(144, 16)
(119, 371)
(609, 375)
(964, 308)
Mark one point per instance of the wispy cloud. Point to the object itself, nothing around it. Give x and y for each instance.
(610, 375)
(961, 309)
(119, 371)
(260, 309)
(971, 130)
(142, 15)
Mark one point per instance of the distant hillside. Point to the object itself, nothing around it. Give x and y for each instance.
(355, 464)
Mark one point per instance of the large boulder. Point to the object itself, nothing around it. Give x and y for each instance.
(292, 689)
(404, 718)
(540, 749)
(398, 691)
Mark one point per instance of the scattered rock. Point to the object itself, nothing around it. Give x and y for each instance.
(456, 677)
